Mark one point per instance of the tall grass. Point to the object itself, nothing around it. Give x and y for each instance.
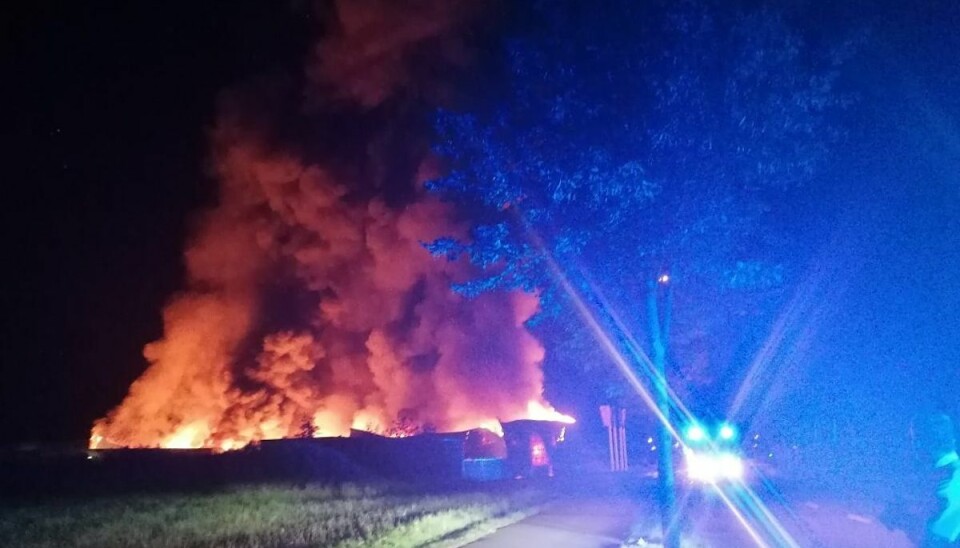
(347, 516)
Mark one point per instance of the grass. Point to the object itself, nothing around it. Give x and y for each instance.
(343, 516)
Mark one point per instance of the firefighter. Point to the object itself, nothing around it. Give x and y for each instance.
(935, 437)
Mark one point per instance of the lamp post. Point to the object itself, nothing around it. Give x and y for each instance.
(658, 320)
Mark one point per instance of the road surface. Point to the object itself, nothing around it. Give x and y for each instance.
(595, 521)
(569, 523)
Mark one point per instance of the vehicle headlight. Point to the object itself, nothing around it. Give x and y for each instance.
(712, 467)
(695, 433)
(727, 432)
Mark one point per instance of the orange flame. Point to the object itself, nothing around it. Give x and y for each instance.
(537, 410)
(308, 309)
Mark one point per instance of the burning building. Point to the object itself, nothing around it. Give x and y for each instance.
(310, 305)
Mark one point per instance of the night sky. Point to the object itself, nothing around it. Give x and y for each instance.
(105, 131)
(103, 141)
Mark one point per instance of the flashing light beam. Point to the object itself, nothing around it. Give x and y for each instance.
(695, 433)
(768, 520)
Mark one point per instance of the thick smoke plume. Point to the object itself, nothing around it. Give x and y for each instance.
(311, 305)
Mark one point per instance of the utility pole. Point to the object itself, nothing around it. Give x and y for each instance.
(658, 321)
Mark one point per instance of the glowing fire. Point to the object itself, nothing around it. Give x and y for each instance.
(197, 435)
(310, 305)
(491, 426)
(538, 452)
(190, 436)
(537, 410)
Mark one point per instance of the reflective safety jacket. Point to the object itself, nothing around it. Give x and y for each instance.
(944, 527)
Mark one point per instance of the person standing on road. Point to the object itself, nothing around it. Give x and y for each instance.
(936, 439)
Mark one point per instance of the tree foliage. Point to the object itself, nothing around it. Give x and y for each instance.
(639, 137)
(633, 140)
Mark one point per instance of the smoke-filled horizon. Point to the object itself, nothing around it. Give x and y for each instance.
(310, 304)
(112, 120)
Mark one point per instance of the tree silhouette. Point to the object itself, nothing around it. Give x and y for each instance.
(635, 141)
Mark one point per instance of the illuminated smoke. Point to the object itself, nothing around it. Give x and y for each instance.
(311, 307)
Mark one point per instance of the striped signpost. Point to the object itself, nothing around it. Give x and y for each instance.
(615, 422)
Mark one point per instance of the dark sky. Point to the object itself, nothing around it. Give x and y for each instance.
(899, 318)
(103, 145)
(885, 326)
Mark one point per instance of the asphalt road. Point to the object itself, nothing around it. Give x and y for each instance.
(569, 523)
(595, 521)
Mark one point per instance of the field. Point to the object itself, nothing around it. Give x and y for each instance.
(349, 515)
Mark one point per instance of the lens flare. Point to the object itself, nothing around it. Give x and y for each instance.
(749, 511)
(714, 467)
(695, 433)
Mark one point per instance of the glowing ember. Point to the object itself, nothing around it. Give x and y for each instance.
(538, 452)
